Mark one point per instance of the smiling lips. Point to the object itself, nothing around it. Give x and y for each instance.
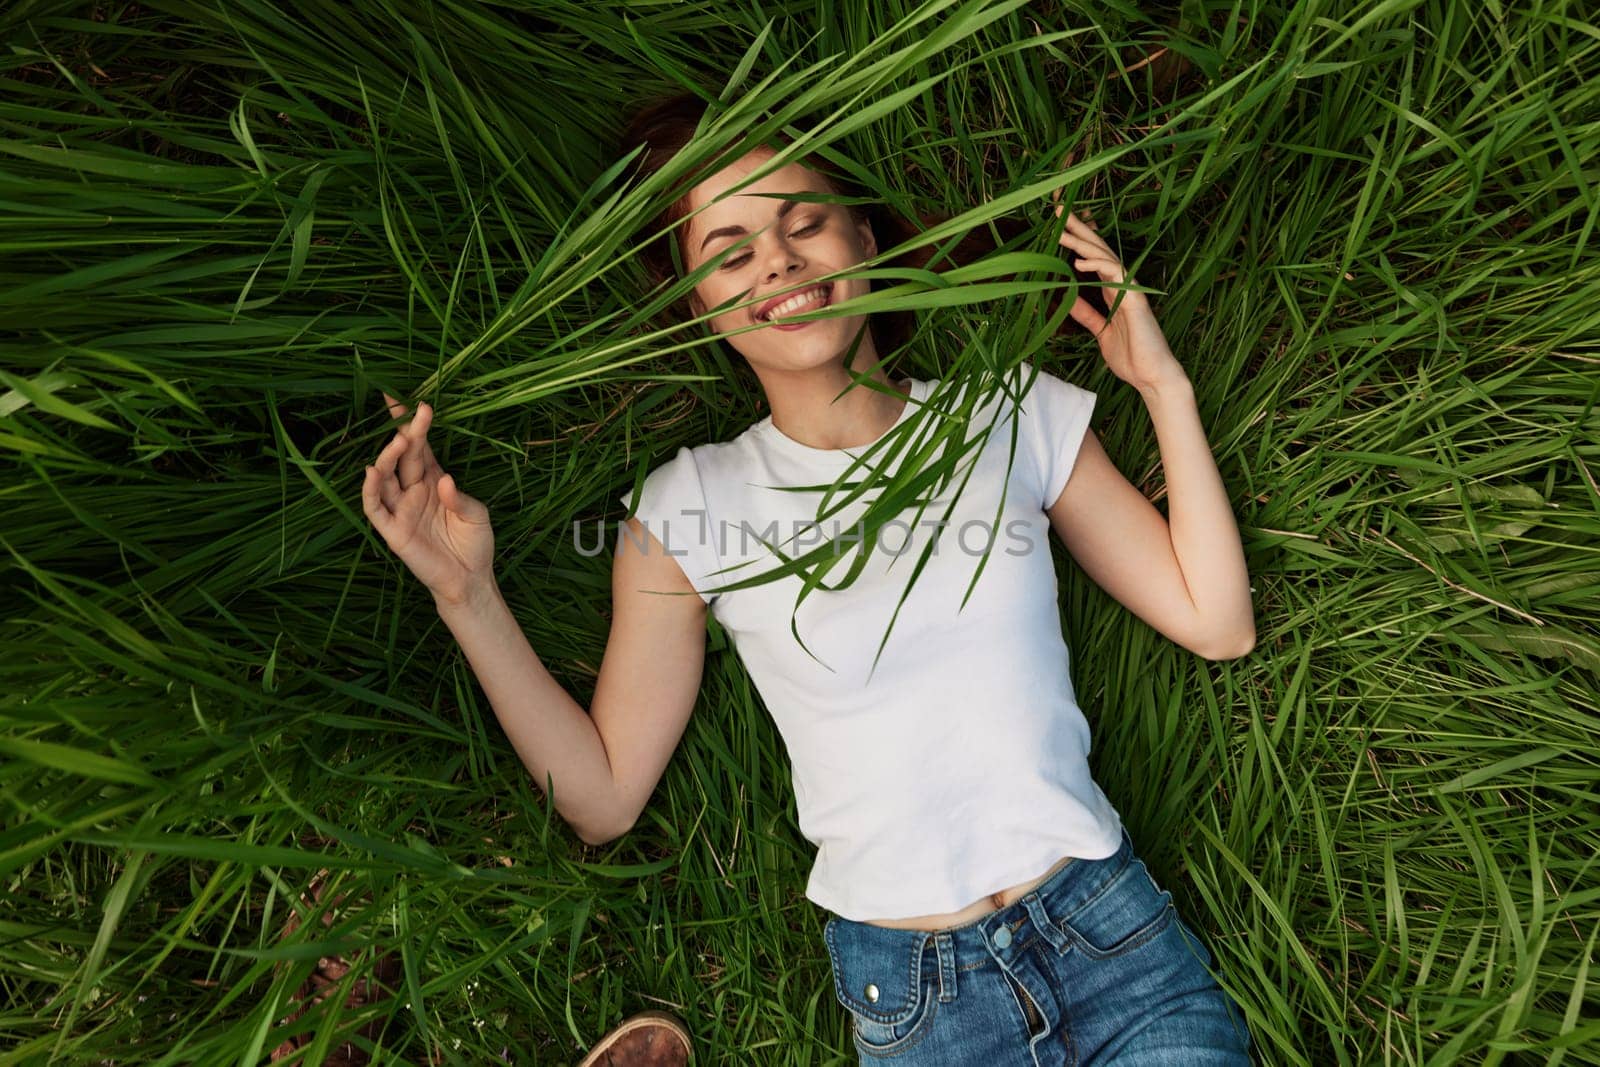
(807, 299)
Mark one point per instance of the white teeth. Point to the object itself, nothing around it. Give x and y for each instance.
(817, 293)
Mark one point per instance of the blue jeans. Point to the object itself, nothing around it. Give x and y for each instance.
(1093, 966)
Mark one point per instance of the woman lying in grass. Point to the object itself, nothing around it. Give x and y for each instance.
(986, 905)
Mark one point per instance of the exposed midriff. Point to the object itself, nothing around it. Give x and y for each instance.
(995, 901)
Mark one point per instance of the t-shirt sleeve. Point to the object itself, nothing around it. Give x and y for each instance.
(672, 506)
(1056, 414)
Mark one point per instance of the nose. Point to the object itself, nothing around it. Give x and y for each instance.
(783, 257)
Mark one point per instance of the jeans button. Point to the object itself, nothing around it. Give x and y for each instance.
(1002, 937)
(872, 992)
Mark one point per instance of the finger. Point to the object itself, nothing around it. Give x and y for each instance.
(467, 507)
(397, 411)
(372, 503)
(421, 422)
(414, 465)
(389, 486)
(1084, 229)
(1086, 316)
(1079, 228)
(1108, 269)
(410, 505)
(1083, 245)
(390, 493)
(391, 453)
(389, 490)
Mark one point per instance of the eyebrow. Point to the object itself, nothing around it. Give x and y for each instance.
(733, 231)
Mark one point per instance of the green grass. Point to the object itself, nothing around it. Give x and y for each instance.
(1371, 229)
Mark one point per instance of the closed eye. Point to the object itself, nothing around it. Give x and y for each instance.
(803, 231)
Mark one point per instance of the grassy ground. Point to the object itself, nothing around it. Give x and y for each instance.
(226, 226)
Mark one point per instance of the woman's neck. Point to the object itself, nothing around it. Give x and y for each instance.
(807, 406)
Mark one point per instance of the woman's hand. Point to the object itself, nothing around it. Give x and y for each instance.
(1130, 340)
(439, 532)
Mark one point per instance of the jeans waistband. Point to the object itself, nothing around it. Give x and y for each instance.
(1046, 910)
(1075, 885)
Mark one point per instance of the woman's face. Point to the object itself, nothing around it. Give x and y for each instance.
(795, 241)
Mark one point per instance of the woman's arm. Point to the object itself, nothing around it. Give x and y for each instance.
(604, 763)
(1186, 577)
(556, 739)
(444, 536)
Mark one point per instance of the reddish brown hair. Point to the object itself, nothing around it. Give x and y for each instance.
(664, 125)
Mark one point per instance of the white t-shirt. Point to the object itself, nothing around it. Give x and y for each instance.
(957, 766)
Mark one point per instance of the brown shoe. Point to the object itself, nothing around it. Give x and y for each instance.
(649, 1039)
